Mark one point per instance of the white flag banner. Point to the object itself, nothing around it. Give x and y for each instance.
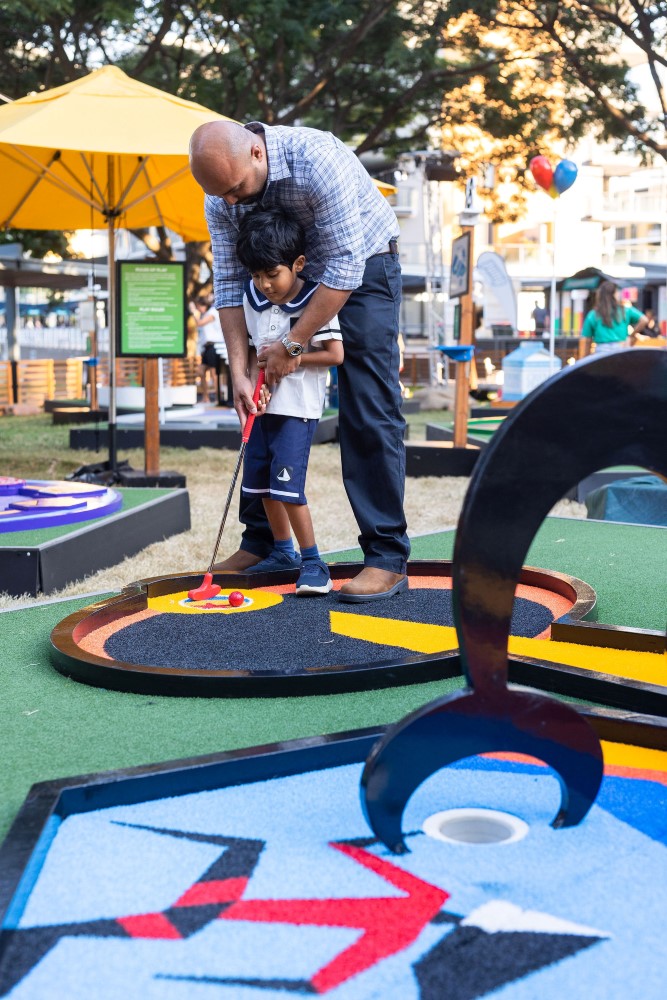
(492, 271)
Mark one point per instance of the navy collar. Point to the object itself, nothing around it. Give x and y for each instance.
(260, 302)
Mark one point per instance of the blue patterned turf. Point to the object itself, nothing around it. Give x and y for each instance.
(571, 913)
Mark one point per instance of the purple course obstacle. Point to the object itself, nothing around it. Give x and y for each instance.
(26, 505)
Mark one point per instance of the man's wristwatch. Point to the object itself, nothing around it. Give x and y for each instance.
(293, 347)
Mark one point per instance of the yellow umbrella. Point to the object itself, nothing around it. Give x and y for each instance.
(104, 147)
(104, 151)
(386, 189)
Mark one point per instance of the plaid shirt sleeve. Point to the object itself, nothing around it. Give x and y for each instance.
(321, 181)
(333, 196)
(228, 274)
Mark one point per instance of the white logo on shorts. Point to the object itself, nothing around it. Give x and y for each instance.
(284, 475)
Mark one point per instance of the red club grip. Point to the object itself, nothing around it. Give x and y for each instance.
(255, 398)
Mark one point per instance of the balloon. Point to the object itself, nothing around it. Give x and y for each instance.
(541, 170)
(553, 191)
(565, 175)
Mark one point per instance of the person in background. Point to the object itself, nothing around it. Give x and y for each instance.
(606, 326)
(652, 328)
(540, 319)
(212, 351)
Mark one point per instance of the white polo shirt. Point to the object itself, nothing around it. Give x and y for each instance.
(300, 394)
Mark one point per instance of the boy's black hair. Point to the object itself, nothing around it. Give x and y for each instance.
(268, 238)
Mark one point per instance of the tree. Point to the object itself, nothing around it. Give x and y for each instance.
(585, 53)
(574, 77)
(381, 74)
(372, 71)
(38, 242)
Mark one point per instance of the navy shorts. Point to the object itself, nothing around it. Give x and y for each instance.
(276, 458)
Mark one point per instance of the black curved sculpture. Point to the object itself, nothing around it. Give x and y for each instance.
(601, 412)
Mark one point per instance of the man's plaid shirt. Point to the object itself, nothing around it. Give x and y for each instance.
(315, 177)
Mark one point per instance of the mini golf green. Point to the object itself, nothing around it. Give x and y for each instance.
(55, 727)
(132, 498)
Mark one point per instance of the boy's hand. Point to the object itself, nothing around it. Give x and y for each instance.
(276, 363)
(263, 401)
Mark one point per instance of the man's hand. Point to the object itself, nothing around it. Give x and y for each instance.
(276, 363)
(243, 393)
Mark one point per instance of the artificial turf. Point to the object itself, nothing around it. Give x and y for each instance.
(624, 563)
(54, 727)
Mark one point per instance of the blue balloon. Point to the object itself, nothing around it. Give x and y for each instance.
(565, 175)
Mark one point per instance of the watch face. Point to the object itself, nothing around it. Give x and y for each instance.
(293, 348)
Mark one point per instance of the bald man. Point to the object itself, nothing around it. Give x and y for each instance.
(352, 252)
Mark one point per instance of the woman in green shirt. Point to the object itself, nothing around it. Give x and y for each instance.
(606, 326)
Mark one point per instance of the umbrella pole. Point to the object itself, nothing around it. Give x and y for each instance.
(111, 285)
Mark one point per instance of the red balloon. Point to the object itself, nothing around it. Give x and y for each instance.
(541, 170)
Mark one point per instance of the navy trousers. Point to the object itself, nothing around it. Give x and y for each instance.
(370, 423)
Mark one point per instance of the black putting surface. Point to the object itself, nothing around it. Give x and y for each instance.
(291, 637)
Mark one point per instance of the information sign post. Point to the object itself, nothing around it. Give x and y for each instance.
(460, 287)
(151, 309)
(151, 325)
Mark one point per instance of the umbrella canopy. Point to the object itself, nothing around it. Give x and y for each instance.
(104, 151)
(104, 147)
(386, 189)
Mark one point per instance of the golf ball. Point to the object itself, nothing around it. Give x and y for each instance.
(236, 598)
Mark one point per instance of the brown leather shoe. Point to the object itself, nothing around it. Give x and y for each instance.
(372, 584)
(238, 562)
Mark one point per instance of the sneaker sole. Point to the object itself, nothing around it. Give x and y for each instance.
(305, 590)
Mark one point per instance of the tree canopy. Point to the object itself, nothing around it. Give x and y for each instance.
(591, 56)
(502, 79)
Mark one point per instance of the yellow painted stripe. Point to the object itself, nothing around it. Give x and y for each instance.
(624, 755)
(650, 668)
(412, 636)
(418, 638)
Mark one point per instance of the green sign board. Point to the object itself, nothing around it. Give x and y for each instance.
(457, 321)
(151, 309)
(570, 283)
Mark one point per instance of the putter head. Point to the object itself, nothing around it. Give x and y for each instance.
(205, 590)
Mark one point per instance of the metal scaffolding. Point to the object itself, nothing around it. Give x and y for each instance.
(436, 167)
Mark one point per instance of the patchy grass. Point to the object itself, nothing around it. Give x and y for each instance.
(34, 448)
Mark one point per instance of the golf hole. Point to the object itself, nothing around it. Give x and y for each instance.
(475, 826)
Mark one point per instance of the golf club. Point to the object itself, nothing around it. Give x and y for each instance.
(207, 588)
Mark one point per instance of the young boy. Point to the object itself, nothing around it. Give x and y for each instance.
(271, 246)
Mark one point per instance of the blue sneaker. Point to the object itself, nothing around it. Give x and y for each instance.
(275, 563)
(314, 578)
